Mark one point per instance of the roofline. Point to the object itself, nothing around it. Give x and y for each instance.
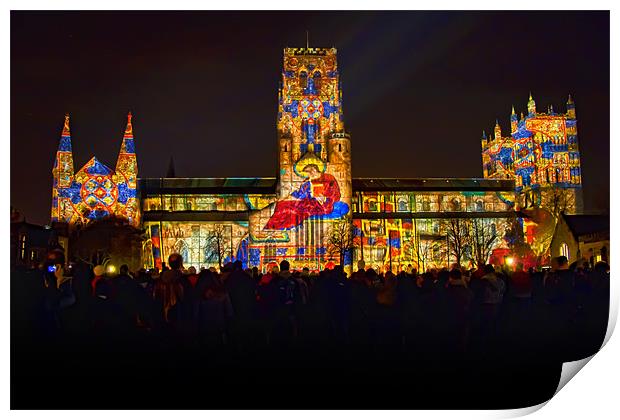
(436, 215)
(210, 177)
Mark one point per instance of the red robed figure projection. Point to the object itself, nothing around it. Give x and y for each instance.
(315, 197)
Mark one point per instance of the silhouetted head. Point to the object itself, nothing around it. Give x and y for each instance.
(55, 256)
(237, 265)
(175, 261)
(455, 274)
(191, 270)
(124, 269)
(562, 262)
(284, 265)
(361, 264)
(489, 269)
(601, 267)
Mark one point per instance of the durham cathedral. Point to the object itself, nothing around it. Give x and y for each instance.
(393, 223)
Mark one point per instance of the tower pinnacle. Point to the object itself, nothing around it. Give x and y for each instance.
(129, 128)
(498, 130)
(570, 108)
(62, 172)
(65, 129)
(531, 105)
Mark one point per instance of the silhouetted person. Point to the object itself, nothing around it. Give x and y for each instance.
(127, 291)
(493, 293)
(457, 301)
(361, 303)
(193, 292)
(387, 331)
(168, 290)
(57, 293)
(215, 310)
(286, 290)
(242, 291)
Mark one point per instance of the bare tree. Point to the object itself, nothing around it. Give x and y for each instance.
(107, 240)
(215, 247)
(457, 232)
(482, 238)
(341, 239)
(420, 251)
(515, 238)
(558, 200)
(438, 252)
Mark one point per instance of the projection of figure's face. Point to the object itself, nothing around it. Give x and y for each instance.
(312, 171)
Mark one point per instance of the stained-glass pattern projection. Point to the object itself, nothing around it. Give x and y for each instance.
(95, 191)
(542, 156)
(541, 152)
(410, 227)
(201, 244)
(314, 186)
(62, 172)
(433, 201)
(206, 202)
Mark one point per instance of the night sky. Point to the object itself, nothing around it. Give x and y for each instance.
(418, 89)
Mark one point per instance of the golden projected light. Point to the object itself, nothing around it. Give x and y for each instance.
(309, 158)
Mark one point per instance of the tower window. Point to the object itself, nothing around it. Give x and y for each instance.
(22, 246)
(303, 79)
(340, 147)
(564, 251)
(317, 79)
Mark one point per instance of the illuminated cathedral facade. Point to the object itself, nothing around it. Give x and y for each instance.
(541, 155)
(95, 191)
(261, 221)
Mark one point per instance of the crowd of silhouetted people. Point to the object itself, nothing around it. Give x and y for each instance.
(562, 311)
(159, 338)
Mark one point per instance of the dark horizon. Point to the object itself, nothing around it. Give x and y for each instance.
(418, 86)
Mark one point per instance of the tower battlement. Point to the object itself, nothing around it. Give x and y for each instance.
(310, 51)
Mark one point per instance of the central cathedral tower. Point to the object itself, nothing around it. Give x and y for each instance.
(314, 164)
(310, 120)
